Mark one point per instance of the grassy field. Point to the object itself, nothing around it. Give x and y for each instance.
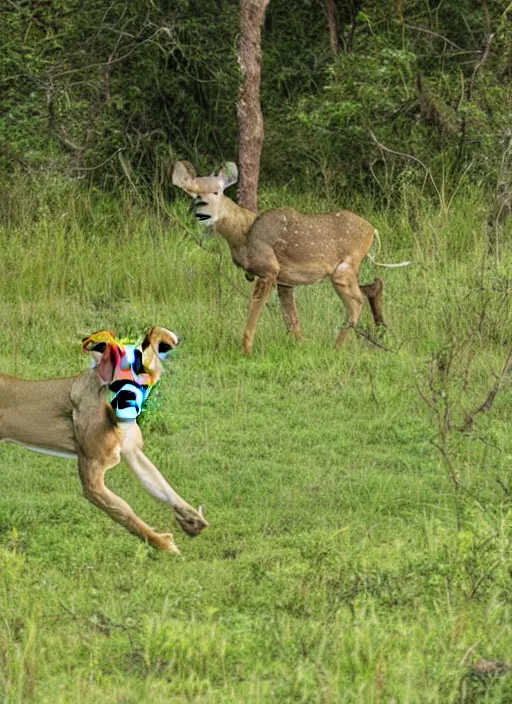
(360, 543)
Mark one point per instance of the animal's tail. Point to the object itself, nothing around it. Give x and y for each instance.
(388, 266)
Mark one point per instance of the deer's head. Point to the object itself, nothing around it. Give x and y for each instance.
(129, 370)
(207, 191)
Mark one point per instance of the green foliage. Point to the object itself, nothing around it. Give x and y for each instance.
(89, 80)
(114, 93)
(433, 90)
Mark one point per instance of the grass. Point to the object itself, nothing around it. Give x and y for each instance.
(359, 547)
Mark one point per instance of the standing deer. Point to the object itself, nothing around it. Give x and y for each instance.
(284, 247)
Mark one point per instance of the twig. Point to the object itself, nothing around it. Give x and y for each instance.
(481, 62)
(435, 34)
(505, 488)
(367, 336)
(483, 576)
(8, 152)
(491, 396)
(409, 156)
(93, 168)
(184, 227)
(441, 446)
(65, 141)
(192, 235)
(110, 61)
(126, 169)
(430, 402)
(107, 80)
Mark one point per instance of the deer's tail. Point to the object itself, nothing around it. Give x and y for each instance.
(388, 266)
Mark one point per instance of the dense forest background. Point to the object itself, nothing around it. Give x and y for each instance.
(356, 94)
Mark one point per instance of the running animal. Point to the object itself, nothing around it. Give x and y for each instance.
(92, 418)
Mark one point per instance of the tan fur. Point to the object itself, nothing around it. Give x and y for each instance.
(286, 248)
(234, 224)
(72, 416)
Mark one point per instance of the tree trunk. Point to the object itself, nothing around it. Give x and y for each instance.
(250, 118)
(333, 26)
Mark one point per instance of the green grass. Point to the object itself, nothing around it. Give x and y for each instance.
(347, 560)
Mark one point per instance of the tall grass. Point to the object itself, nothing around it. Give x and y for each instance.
(359, 547)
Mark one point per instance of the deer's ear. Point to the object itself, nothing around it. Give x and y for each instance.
(228, 174)
(108, 363)
(156, 347)
(182, 174)
(97, 343)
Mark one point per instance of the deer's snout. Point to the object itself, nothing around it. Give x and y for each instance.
(127, 402)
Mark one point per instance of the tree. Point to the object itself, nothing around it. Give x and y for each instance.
(250, 117)
(333, 26)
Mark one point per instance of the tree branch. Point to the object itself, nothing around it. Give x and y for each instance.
(491, 396)
(110, 61)
(98, 166)
(409, 156)
(435, 34)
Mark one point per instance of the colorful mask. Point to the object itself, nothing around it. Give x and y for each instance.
(121, 367)
(131, 385)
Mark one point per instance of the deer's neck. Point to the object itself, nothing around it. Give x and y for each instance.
(234, 224)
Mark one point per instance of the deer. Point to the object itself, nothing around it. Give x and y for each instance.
(91, 417)
(285, 248)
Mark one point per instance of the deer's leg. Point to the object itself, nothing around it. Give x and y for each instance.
(189, 519)
(345, 284)
(92, 475)
(259, 294)
(289, 309)
(373, 292)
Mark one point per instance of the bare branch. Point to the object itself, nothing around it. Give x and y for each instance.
(413, 158)
(186, 229)
(65, 141)
(110, 61)
(98, 166)
(435, 34)
(199, 243)
(362, 333)
(7, 151)
(491, 396)
(481, 62)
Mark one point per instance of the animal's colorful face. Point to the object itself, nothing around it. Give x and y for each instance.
(131, 383)
(129, 371)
